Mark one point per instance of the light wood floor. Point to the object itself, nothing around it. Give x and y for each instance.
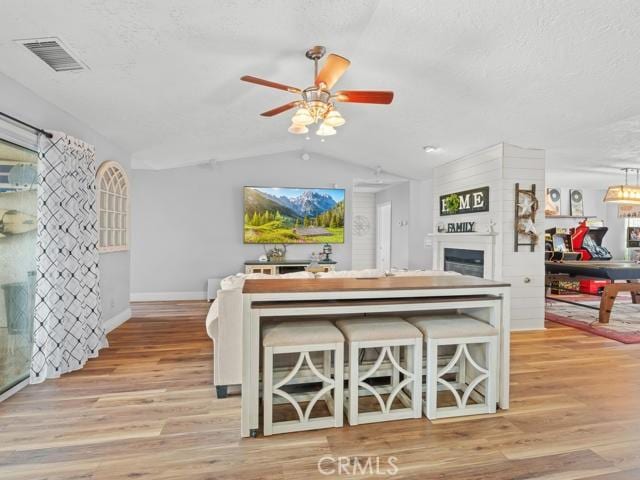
(145, 409)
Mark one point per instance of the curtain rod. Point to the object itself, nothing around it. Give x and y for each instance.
(36, 129)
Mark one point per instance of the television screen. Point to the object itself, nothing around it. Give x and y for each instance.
(293, 215)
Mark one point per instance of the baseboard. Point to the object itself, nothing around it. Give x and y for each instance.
(13, 390)
(167, 296)
(117, 320)
(528, 328)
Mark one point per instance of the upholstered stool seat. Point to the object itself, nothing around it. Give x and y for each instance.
(304, 337)
(389, 335)
(452, 325)
(473, 365)
(293, 333)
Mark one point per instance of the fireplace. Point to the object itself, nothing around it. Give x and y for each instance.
(464, 261)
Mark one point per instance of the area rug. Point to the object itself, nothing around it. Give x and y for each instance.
(624, 325)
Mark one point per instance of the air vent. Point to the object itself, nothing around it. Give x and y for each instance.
(54, 53)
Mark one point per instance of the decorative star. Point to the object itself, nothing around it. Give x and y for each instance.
(526, 205)
(529, 227)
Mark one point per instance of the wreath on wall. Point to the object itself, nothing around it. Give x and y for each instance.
(452, 202)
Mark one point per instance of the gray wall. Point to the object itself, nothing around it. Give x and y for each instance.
(420, 223)
(188, 221)
(22, 103)
(399, 197)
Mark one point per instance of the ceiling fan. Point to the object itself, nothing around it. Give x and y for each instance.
(317, 103)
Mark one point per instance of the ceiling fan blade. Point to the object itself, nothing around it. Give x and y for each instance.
(280, 109)
(364, 96)
(267, 83)
(333, 68)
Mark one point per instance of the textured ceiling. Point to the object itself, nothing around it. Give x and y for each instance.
(164, 76)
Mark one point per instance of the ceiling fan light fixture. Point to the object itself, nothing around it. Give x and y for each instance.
(334, 119)
(302, 117)
(325, 130)
(298, 129)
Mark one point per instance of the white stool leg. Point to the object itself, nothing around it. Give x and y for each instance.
(326, 370)
(492, 381)
(395, 373)
(338, 393)
(416, 391)
(267, 390)
(354, 377)
(432, 379)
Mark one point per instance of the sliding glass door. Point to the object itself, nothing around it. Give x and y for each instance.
(18, 175)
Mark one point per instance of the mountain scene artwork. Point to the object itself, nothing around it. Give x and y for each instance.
(293, 215)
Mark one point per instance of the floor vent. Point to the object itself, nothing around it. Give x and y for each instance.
(54, 53)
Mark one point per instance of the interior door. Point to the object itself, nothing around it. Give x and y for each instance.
(18, 176)
(383, 236)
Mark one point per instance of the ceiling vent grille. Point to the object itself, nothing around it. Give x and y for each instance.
(54, 53)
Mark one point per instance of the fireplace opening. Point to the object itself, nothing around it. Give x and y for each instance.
(466, 262)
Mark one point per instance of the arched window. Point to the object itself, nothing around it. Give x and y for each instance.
(113, 207)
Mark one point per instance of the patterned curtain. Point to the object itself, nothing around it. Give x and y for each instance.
(67, 325)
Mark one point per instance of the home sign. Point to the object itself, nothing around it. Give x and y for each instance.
(469, 201)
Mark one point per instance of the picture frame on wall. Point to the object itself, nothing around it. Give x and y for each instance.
(576, 203)
(552, 202)
(633, 237)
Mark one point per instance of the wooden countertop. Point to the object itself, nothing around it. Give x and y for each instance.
(298, 285)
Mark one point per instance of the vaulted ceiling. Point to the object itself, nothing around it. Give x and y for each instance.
(164, 76)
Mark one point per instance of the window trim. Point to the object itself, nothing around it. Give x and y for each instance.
(102, 169)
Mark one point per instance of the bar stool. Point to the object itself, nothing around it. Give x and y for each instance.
(464, 332)
(303, 337)
(390, 334)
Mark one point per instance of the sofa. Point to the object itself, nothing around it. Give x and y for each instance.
(224, 320)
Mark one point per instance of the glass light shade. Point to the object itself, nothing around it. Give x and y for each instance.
(325, 130)
(302, 117)
(298, 129)
(629, 194)
(334, 119)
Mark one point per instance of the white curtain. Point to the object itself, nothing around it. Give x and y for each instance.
(67, 326)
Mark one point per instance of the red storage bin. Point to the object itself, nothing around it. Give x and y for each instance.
(592, 286)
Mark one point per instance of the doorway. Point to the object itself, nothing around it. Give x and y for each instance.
(383, 236)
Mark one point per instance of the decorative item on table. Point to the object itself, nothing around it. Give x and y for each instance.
(552, 202)
(326, 253)
(440, 227)
(263, 258)
(277, 254)
(525, 217)
(492, 227)
(576, 205)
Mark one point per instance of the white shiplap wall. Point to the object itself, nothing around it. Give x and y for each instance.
(363, 247)
(524, 269)
(500, 167)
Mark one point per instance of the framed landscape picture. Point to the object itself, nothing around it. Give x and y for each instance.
(293, 215)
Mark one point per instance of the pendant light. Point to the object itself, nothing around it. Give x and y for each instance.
(625, 194)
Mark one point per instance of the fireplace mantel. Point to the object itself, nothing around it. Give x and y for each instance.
(483, 241)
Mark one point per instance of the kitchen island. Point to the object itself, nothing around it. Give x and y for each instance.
(487, 300)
